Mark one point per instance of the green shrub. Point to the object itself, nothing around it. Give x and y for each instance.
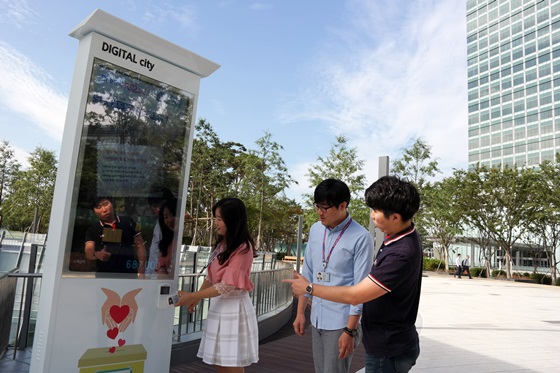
(478, 272)
(558, 281)
(431, 264)
(280, 255)
(540, 278)
(498, 273)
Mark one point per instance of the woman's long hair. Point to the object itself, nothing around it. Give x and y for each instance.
(234, 216)
(166, 233)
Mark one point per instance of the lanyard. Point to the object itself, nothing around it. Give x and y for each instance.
(326, 262)
(214, 255)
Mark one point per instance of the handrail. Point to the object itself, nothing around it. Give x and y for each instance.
(269, 297)
(7, 298)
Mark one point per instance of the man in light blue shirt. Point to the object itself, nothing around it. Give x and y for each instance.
(339, 253)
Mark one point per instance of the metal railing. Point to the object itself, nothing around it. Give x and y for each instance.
(19, 299)
(269, 297)
(7, 298)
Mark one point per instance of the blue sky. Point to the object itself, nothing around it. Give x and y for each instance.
(380, 72)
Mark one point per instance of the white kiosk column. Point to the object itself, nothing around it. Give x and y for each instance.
(126, 148)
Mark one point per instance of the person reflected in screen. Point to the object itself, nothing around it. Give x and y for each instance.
(157, 197)
(228, 284)
(166, 246)
(113, 242)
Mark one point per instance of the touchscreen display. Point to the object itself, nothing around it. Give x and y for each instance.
(131, 163)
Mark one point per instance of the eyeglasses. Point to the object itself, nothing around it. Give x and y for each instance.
(322, 208)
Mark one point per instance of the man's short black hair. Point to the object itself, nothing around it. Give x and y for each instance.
(333, 192)
(392, 195)
(95, 200)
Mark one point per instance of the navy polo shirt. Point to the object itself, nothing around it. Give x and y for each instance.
(122, 248)
(388, 321)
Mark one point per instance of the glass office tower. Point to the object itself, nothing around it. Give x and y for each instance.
(513, 54)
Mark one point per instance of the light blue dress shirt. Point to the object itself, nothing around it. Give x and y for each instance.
(349, 263)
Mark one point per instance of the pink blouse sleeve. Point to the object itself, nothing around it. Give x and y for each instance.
(235, 271)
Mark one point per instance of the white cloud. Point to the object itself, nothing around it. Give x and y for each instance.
(22, 156)
(28, 90)
(260, 6)
(15, 12)
(161, 14)
(396, 71)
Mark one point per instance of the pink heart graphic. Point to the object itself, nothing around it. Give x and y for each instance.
(119, 313)
(121, 342)
(112, 350)
(112, 333)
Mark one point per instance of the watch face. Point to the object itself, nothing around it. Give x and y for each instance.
(309, 288)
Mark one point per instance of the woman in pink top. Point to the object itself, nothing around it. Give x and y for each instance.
(230, 340)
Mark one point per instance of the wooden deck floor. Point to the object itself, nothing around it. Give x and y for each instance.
(284, 351)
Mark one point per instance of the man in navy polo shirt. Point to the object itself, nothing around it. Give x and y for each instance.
(113, 242)
(391, 292)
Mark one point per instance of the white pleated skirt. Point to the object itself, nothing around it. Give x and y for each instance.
(231, 336)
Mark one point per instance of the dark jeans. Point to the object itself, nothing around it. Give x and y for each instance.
(458, 272)
(396, 364)
(466, 268)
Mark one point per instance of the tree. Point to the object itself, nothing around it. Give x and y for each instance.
(29, 206)
(496, 203)
(544, 227)
(9, 167)
(265, 177)
(417, 166)
(281, 223)
(226, 169)
(442, 215)
(343, 164)
(213, 175)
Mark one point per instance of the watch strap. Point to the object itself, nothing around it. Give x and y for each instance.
(351, 332)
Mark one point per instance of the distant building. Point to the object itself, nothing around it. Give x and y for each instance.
(513, 62)
(513, 58)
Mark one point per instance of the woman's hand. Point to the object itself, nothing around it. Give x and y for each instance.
(189, 300)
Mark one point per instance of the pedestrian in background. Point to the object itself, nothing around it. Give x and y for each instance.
(458, 265)
(465, 266)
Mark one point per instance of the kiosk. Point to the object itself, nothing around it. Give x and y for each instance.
(126, 149)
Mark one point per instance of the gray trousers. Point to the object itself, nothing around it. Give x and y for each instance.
(325, 350)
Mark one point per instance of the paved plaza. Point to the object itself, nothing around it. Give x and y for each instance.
(475, 326)
(485, 325)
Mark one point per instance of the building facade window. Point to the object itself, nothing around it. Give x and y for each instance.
(513, 77)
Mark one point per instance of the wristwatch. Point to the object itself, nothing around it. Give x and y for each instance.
(309, 289)
(351, 332)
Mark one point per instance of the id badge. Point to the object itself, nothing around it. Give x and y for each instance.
(323, 276)
(112, 236)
